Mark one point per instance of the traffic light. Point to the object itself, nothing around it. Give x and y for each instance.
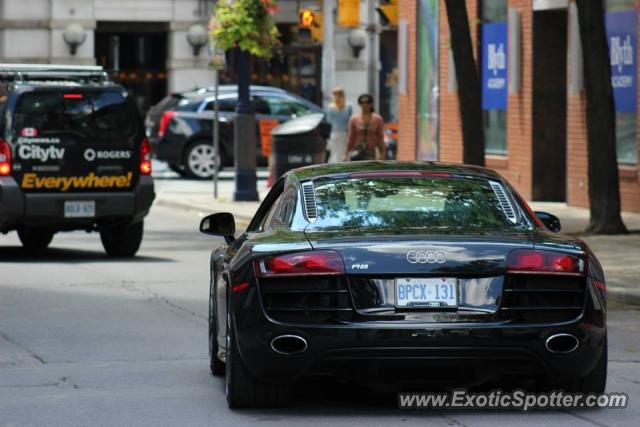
(349, 13)
(307, 18)
(388, 12)
(310, 25)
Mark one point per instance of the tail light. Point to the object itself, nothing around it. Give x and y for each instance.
(164, 122)
(531, 261)
(601, 286)
(301, 264)
(5, 158)
(145, 157)
(240, 287)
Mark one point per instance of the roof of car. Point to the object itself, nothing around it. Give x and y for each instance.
(67, 84)
(208, 91)
(323, 170)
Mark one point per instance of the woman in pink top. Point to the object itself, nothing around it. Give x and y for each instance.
(366, 133)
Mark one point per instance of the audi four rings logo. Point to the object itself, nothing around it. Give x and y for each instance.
(427, 257)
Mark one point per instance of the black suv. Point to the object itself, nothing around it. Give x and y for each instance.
(180, 126)
(73, 156)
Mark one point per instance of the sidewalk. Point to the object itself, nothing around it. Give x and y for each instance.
(197, 196)
(619, 255)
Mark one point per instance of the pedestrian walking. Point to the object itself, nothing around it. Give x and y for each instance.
(338, 115)
(365, 140)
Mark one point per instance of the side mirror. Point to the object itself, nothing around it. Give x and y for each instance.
(219, 224)
(550, 221)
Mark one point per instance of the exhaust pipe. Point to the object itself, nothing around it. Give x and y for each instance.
(289, 344)
(561, 343)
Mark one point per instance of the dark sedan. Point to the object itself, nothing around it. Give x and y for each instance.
(181, 126)
(402, 273)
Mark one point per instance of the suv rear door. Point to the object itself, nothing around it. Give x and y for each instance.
(75, 140)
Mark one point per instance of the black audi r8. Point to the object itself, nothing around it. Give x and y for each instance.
(402, 273)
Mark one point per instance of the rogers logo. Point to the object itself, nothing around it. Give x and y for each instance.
(90, 154)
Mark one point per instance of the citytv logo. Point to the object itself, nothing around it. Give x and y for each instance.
(621, 52)
(496, 58)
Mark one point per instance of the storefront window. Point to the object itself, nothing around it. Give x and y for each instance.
(495, 119)
(622, 35)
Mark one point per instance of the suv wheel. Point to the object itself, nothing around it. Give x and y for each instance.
(199, 160)
(35, 239)
(122, 240)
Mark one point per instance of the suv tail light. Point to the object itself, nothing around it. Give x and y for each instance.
(5, 158)
(531, 261)
(164, 122)
(145, 157)
(301, 264)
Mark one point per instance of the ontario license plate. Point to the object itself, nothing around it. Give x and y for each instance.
(83, 209)
(427, 292)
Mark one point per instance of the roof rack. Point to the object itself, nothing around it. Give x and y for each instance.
(25, 72)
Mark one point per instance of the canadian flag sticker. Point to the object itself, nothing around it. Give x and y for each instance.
(29, 132)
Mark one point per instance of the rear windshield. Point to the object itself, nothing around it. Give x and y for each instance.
(99, 115)
(411, 203)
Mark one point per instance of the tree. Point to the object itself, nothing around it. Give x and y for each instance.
(604, 184)
(248, 27)
(468, 83)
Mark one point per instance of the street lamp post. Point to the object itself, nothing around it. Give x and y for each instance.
(245, 134)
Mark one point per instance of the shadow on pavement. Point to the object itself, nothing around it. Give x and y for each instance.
(19, 254)
(325, 397)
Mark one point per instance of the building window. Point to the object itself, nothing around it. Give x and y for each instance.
(622, 29)
(627, 138)
(495, 119)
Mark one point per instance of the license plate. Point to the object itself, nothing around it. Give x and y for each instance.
(427, 292)
(84, 209)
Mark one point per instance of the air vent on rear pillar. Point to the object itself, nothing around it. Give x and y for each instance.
(309, 197)
(505, 203)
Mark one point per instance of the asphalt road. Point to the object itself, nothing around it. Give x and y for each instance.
(86, 340)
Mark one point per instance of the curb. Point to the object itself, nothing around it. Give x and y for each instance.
(240, 218)
(623, 296)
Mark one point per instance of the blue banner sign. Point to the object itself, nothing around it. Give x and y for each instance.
(622, 37)
(494, 66)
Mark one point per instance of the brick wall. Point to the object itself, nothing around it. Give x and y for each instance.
(450, 121)
(516, 165)
(577, 169)
(408, 10)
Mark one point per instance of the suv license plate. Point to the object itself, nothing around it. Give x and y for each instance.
(427, 292)
(84, 209)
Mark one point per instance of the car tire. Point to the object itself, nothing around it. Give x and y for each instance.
(241, 389)
(35, 239)
(216, 365)
(122, 240)
(596, 380)
(198, 161)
